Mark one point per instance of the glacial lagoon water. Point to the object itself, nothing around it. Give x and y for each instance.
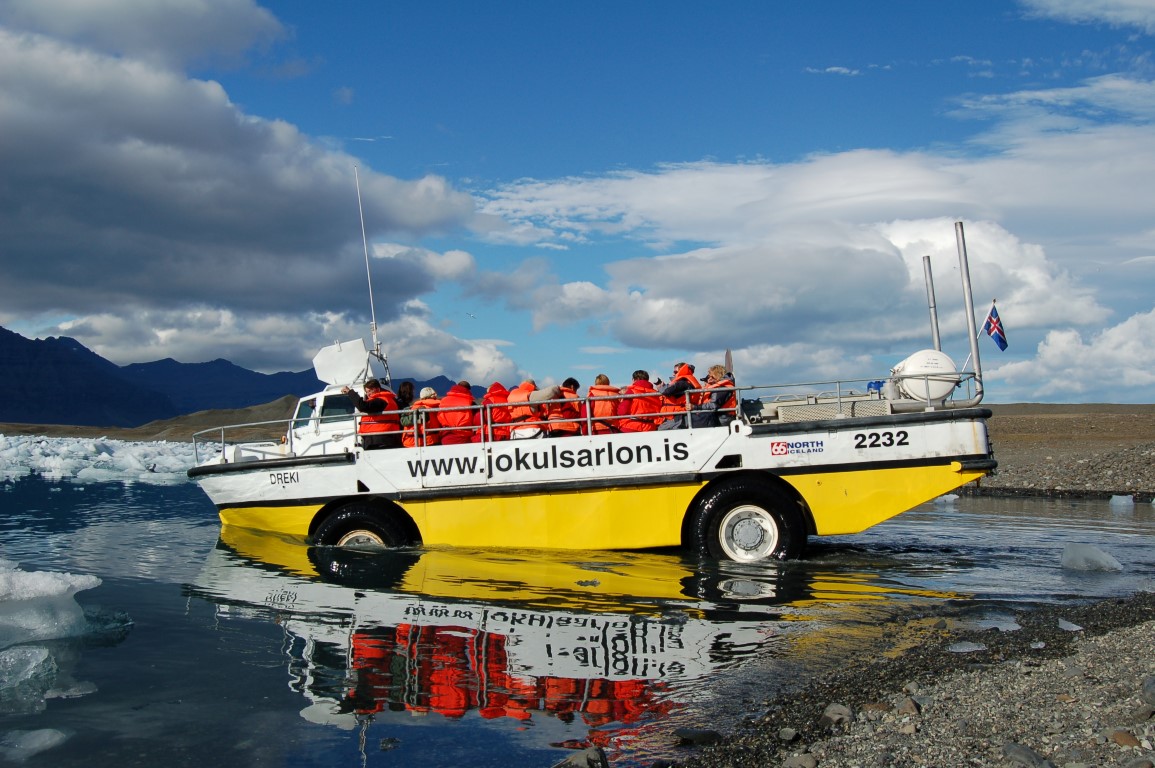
(202, 646)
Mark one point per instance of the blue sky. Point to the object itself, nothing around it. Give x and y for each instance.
(556, 189)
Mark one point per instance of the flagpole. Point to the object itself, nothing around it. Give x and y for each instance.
(968, 301)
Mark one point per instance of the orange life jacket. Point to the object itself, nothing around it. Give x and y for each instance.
(672, 406)
(426, 433)
(388, 420)
(557, 413)
(602, 412)
(520, 408)
(731, 403)
(642, 412)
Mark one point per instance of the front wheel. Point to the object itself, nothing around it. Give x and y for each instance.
(748, 520)
(359, 526)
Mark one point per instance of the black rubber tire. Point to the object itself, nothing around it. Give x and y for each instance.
(360, 526)
(747, 519)
(361, 569)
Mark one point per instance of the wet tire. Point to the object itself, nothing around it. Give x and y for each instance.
(748, 520)
(360, 526)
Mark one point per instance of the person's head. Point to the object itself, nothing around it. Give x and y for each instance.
(463, 384)
(428, 393)
(405, 390)
(716, 373)
(571, 383)
(602, 379)
(371, 386)
(640, 375)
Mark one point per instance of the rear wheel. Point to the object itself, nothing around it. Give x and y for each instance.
(747, 520)
(360, 526)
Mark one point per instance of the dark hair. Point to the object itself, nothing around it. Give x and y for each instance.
(463, 383)
(571, 383)
(373, 383)
(640, 375)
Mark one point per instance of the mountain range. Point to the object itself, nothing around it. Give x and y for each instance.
(60, 381)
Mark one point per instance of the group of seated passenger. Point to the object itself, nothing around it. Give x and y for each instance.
(526, 412)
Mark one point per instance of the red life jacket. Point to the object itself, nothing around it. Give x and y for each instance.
(458, 424)
(388, 420)
(497, 414)
(556, 413)
(423, 434)
(642, 412)
(602, 412)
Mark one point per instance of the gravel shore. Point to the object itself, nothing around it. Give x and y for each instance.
(1072, 686)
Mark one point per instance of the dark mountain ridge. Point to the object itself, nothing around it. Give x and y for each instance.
(60, 381)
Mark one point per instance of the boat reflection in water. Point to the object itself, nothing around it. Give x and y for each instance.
(607, 643)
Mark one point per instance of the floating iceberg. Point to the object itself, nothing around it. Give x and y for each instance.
(1084, 557)
(94, 460)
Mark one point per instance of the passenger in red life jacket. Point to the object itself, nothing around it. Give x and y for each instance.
(380, 427)
(564, 417)
(602, 412)
(677, 399)
(423, 428)
(642, 412)
(524, 412)
(457, 424)
(493, 421)
(723, 394)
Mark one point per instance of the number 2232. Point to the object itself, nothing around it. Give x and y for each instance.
(881, 439)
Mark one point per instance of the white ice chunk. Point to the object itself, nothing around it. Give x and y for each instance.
(965, 646)
(1122, 501)
(39, 605)
(18, 746)
(1068, 626)
(1085, 557)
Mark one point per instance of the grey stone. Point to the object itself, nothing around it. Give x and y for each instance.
(787, 734)
(697, 737)
(801, 761)
(1147, 692)
(1021, 755)
(835, 714)
(594, 757)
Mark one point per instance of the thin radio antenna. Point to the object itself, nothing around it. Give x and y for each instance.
(369, 277)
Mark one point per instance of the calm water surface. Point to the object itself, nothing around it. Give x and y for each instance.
(204, 646)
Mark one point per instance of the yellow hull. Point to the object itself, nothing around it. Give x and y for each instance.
(631, 517)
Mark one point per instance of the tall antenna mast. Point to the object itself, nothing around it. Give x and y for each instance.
(369, 277)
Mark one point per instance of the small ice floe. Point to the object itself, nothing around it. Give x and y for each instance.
(1038, 645)
(39, 605)
(1122, 501)
(1085, 557)
(965, 646)
(18, 746)
(947, 498)
(1067, 626)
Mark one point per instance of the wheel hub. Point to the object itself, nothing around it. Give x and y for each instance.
(748, 533)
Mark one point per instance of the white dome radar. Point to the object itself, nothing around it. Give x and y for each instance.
(928, 375)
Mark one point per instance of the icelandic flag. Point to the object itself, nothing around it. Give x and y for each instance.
(993, 327)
